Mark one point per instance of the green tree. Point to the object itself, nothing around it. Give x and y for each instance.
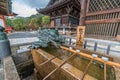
(39, 20)
(19, 24)
(46, 20)
(33, 23)
(8, 22)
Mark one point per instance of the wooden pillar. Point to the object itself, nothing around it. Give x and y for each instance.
(59, 15)
(83, 12)
(68, 10)
(88, 4)
(52, 23)
(2, 18)
(53, 19)
(118, 34)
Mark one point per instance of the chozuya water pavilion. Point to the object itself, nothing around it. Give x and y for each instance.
(101, 17)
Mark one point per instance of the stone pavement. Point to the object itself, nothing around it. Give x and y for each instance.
(22, 35)
(18, 41)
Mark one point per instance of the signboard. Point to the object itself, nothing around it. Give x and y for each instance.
(80, 36)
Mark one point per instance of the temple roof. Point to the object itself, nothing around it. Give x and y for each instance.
(5, 7)
(56, 3)
(51, 2)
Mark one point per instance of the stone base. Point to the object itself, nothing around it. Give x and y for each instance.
(118, 37)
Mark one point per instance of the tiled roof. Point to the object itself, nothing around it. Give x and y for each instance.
(54, 3)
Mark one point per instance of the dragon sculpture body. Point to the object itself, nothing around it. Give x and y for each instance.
(48, 37)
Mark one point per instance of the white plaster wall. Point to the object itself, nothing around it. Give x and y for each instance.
(2, 23)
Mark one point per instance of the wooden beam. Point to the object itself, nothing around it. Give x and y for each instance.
(3, 4)
(103, 12)
(3, 11)
(105, 71)
(59, 66)
(2, 0)
(86, 70)
(110, 63)
(102, 21)
(88, 6)
(3, 8)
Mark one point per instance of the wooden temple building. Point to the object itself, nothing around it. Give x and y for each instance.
(101, 17)
(5, 9)
(62, 12)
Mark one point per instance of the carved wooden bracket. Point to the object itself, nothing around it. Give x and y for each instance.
(69, 9)
(49, 14)
(54, 13)
(75, 13)
(60, 11)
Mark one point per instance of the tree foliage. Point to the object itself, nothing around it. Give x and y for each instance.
(33, 22)
(39, 21)
(8, 22)
(19, 24)
(46, 20)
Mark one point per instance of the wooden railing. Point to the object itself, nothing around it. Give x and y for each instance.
(92, 58)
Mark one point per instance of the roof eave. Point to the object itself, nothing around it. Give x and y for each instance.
(44, 10)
